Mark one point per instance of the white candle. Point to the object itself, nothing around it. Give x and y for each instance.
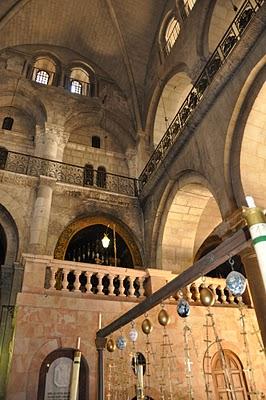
(100, 320)
(250, 201)
(78, 343)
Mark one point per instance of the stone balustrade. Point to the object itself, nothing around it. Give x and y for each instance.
(43, 274)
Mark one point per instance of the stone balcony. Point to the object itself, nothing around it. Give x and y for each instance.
(48, 276)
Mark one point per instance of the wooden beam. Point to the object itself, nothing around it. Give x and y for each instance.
(230, 247)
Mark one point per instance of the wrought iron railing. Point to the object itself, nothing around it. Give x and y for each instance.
(67, 173)
(218, 58)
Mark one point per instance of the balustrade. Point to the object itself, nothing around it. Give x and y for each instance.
(218, 58)
(65, 173)
(60, 277)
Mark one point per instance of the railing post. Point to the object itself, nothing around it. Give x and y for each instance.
(100, 346)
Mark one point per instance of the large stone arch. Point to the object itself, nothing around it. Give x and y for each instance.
(236, 130)
(186, 213)
(181, 68)
(78, 224)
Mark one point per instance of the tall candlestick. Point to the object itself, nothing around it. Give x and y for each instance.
(100, 320)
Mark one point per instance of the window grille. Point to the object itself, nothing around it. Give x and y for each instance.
(42, 77)
(76, 87)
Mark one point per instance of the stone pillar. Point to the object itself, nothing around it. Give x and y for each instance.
(62, 141)
(47, 139)
(131, 159)
(41, 215)
(257, 288)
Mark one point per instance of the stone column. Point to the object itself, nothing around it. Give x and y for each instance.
(62, 141)
(41, 215)
(131, 159)
(47, 140)
(257, 289)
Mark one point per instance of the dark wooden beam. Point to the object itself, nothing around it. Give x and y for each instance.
(230, 247)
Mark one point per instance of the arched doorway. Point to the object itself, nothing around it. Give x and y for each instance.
(228, 377)
(81, 241)
(86, 246)
(55, 373)
(191, 215)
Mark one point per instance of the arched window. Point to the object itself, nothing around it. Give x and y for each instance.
(88, 175)
(44, 71)
(7, 123)
(79, 81)
(3, 157)
(227, 374)
(96, 142)
(188, 5)
(75, 87)
(101, 177)
(171, 34)
(42, 77)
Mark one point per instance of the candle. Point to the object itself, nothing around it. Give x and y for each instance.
(100, 320)
(250, 201)
(78, 343)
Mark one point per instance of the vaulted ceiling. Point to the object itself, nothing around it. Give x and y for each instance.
(116, 35)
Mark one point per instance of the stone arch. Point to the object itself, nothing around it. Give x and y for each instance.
(75, 226)
(234, 173)
(11, 233)
(17, 215)
(28, 103)
(156, 102)
(187, 202)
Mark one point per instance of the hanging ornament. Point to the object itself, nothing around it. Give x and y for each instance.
(133, 335)
(146, 326)
(110, 345)
(207, 297)
(236, 283)
(121, 342)
(163, 317)
(183, 308)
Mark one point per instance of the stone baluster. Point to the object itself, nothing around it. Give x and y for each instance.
(88, 285)
(52, 280)
(223, 296)
(189, 294)
(213, 287)
(65, 281)
(121, 285)
(197, 293)
(231, 298)
(100, 276)
(141, 286)
(111, 285)
(131, 289)
(76, 283)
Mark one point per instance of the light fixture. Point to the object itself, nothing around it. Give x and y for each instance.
(105, 241)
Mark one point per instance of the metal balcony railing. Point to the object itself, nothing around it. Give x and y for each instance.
(67, 173)
(218, 58)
